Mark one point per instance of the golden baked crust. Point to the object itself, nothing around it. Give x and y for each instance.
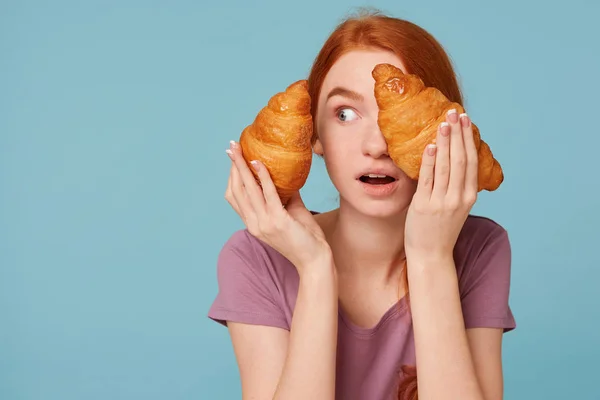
(280, 137)
(409, 116)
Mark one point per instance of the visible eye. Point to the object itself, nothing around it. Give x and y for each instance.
(345, 114)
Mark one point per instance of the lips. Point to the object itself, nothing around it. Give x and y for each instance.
(376, 179)
(378, 184)
(379, 176)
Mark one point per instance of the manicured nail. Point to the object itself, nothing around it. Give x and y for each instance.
(233, 144)
(464, 120)
(452, 116)
(431, 149)
(229, 153)
(255, 165)
(445, 128)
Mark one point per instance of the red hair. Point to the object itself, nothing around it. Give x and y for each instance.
(421, 54)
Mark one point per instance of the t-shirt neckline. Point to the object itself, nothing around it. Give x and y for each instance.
(398, 307)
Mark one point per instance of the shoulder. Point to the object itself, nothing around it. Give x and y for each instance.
(254, 253)
(238, 251)
(255, 283)
(483, 244)
(240, 242)
(479, 233)
(479, 229)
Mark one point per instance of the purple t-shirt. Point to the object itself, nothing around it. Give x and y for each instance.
(257, 285)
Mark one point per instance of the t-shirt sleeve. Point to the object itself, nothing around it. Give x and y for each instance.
(485, 286)
(246, 289)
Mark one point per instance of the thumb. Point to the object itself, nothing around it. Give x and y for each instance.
(295, 202)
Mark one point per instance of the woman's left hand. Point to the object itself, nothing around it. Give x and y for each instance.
(446, 191)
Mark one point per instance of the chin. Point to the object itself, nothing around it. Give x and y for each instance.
(379, 210)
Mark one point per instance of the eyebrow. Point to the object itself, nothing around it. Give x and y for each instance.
(341, 91)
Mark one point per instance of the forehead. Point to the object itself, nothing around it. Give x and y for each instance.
(353, 70)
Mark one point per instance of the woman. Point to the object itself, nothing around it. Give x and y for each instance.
(317, 305)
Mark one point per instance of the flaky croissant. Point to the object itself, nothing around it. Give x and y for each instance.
(280, 137)
(409, 116)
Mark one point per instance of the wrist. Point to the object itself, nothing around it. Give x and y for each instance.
(318, 267)
(427, 261)
(432, 277)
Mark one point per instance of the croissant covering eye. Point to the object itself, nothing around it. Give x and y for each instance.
(409, 116)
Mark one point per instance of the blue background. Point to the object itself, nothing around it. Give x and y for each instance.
(114, 118)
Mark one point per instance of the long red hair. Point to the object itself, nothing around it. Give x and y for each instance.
(421, 55)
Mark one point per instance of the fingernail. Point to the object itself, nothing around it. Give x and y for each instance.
(431, 149)
(452, 116)
(445, 128)
(255, 165)
(233, 144)
(464, 120)
(229, 153)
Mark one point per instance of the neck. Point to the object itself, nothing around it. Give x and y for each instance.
(367, 247)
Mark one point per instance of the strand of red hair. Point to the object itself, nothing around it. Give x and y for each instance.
(421, 54)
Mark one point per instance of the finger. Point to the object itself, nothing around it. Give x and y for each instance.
(426, 173)
(228, 191)
(297, 209)
(246, 210)
(295, 202)
(458, 156)
(269, 190)
(253, 191)
(442, 161)
(472, 156)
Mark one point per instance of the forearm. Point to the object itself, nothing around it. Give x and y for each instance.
(309, 369)
(445, 368)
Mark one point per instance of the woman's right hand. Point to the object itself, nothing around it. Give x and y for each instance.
(291, 230)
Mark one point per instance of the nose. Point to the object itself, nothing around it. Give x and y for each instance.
(374, 144)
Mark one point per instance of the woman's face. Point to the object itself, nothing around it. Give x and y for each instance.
(350, 140)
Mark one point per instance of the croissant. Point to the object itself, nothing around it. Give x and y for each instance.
(409, 116)
(280, 137)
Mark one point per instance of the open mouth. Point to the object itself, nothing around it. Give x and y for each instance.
(374, 179)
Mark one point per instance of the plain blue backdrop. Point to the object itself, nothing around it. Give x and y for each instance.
(114, 118)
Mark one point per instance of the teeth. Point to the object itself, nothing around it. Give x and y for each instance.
(376, 176)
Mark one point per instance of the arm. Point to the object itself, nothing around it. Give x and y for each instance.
(453, 362)
(275, 364)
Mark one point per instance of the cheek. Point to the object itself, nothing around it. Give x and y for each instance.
(340, 147)
(335, 136)
(338, 153)
(336, 156)
(407, 187)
